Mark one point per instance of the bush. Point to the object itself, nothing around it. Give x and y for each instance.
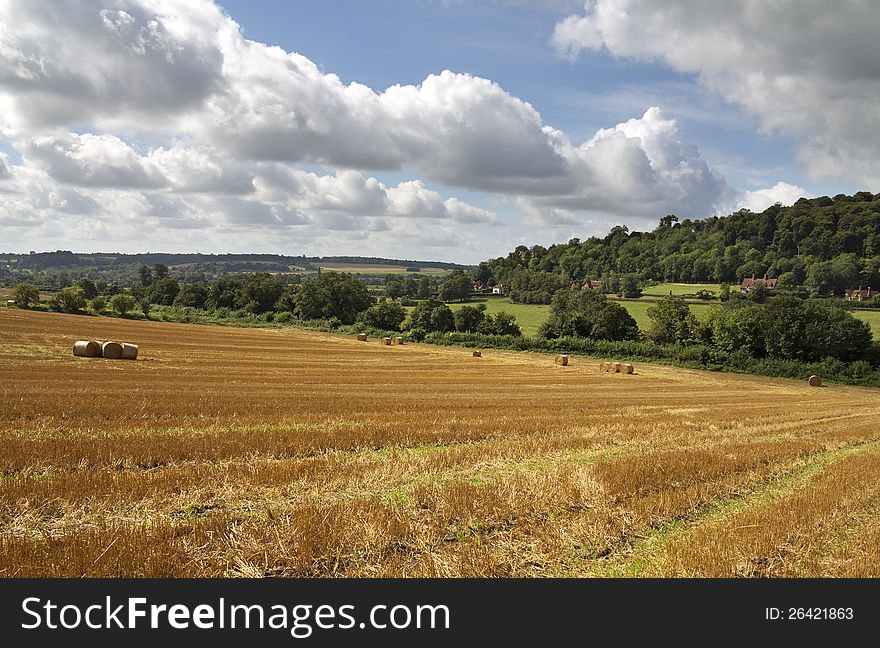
(469, 318)
(588, 313)
(387, 316)
(432, 315)
(68, 300)
(332, 294)
(26, 295)
(123, 304)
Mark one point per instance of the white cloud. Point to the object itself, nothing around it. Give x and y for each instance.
(806, 69)
(119, 62)
(93, 161)
(782, 192)
(195, 129)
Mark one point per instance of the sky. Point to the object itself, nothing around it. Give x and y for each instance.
(423, 129)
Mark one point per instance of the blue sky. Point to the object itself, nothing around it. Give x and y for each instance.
(558, 119)
(400, 42)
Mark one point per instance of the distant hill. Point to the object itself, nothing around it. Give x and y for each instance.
(825, 244)
(73, 262)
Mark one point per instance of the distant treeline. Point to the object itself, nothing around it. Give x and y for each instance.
(72, 261)
(825, 245)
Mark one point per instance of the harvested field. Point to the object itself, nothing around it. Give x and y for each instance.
(257, 452)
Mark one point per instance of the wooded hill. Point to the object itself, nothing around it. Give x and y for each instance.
(824, 244)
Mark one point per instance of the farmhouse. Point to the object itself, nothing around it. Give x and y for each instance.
(498, 290)
(592, 284)
(861, 295)
(750, 282)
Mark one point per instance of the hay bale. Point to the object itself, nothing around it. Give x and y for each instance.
(561, 360)
(385, 341)
(362, 337)
(398, 340)
(606, 367)
(629, 368)
(618, 367)
(478, 354)
(815, 381)
(87, 349)
(129, 351)
(112, 350)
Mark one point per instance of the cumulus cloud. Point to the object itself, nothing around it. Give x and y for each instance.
(260, 103)
(806, 69)
(120, 62)
(760, 199)
(228, 121)
(93, 161)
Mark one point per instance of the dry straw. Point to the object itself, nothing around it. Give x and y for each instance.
(362, 337)
(87, 349)
(561, 360)
(385, 341)
(478, 354)
(112, 350)
(398, 340)
(629, 368)
(815, 381)
(129, 351)
(618, 367)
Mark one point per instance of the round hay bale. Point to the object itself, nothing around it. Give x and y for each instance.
(815, 381)
(629, 368)
(112, 350)
(478, 354)
(362, 337)
(561, 360)
(398, 340)
(618, 367)
(385, 341)
(129, 351)
(606, 367)
(87, 349)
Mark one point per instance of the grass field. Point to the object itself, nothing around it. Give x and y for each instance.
(639, 311)
(364, 268)
(872, 318)
(529, 316)
(255, 452)
(661, 290)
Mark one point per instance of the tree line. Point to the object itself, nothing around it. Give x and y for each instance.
(337, 298)
(825, 245)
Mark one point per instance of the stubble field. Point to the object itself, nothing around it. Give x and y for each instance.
(252, 452)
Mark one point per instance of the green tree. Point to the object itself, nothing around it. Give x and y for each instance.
(588, 313)
(432, 315)
(160, 271)
(88, 287)
(502, 323)
(671, 321)
(424, 288)
(98, 304)
(395, 287)
(194, 295)
(145, 275)
(387, 316)
(630, 286)
(259, 292)
(457, 286)
(123, 304)
(68, 300)
(332, 294)
(739, 327)
(468, 318)
(26, 295)
(162, 291)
